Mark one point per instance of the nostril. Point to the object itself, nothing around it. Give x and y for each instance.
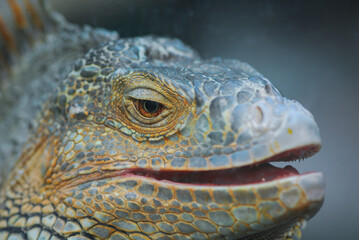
(260, 117)
(268, 88)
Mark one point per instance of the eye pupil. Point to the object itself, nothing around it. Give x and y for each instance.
(150, 106)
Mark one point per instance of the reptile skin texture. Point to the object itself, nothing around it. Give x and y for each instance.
(140, 138)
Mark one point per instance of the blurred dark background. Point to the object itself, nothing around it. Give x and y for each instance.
(308, 49)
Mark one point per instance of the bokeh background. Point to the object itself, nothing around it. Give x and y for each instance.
(308, 49)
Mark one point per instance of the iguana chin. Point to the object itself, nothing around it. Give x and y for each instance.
(140, 138)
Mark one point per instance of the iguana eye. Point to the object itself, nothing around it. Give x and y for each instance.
(146, 106)
(148, 109)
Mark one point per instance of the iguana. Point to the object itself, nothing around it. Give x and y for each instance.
(140, 138)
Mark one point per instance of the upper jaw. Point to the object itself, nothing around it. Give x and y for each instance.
(268, 129)
(295, 130)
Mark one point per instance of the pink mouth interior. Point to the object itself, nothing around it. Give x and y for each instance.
(253, 174)
(236, 176)
(258, 173)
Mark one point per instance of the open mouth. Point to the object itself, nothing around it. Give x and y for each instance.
(257, 173)
(228, 177)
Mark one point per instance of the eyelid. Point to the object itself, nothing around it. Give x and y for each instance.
(148, 94)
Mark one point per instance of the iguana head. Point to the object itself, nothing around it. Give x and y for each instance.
(147, 139)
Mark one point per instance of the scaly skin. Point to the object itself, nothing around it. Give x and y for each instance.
(104, 165)
(74, 180)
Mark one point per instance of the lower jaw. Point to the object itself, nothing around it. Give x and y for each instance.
(258, 180)
(264, 181)
(292, 197)
(268, 196)
(287, 196)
